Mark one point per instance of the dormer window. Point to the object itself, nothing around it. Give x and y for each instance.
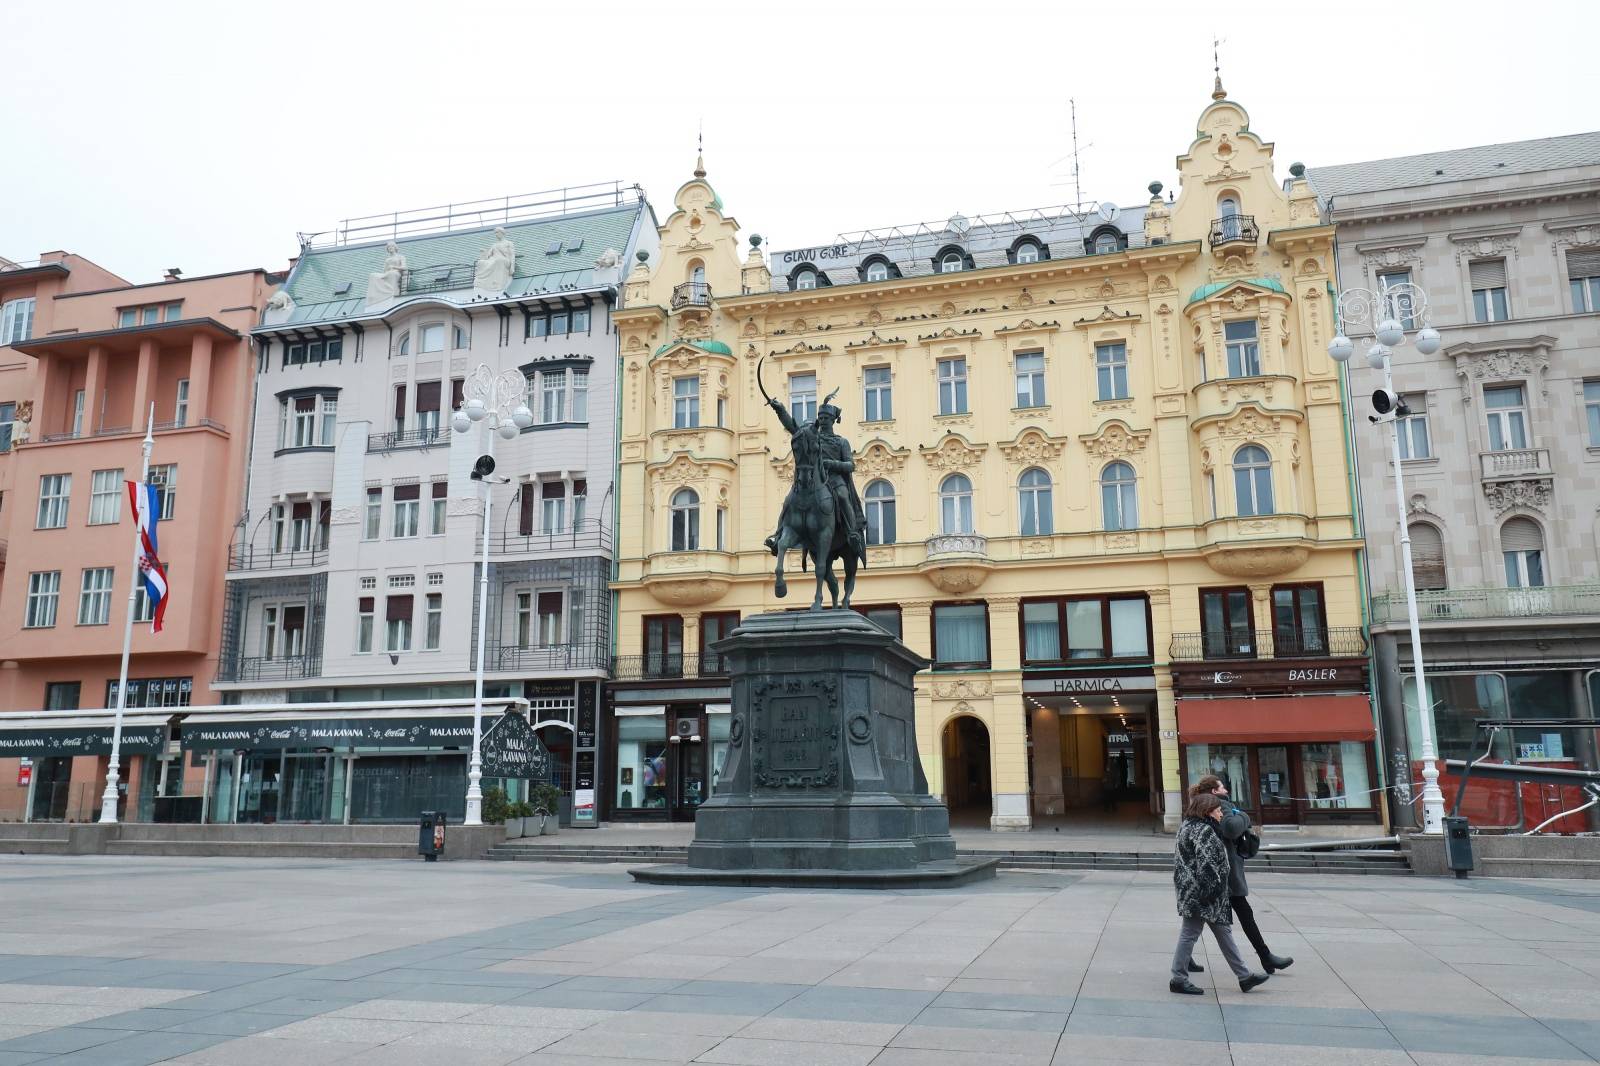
(950, 262)
(1105, 241)
(805, 279)
(877, 270)
(1027, 250)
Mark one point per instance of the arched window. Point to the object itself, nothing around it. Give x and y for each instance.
(405, 343)
(1119, 497)
(951, 261)
(1033, 498)
(880, 513)
(1228, 208)
(697, 273)
(1252, 481)
(1026, 250)
(955, 504)
(1427, 556)
(877, 270)
(1522, 547)
(1105, 242)
(805, 278)
(685, 521)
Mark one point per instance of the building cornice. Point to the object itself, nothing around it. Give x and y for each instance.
(1460, 201)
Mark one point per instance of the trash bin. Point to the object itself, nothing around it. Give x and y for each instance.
(430, 835)
(1457, 845)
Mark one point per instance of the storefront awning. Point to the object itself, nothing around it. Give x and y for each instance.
(1275, 720)
(45, 736)
(334, 726)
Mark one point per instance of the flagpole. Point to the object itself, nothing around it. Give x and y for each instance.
(108, 802)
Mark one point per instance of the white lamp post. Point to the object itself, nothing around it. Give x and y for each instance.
(494, 398)
(1388, 313)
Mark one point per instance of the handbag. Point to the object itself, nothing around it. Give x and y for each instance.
(1248, 845)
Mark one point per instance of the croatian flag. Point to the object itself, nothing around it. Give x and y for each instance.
(146, 501)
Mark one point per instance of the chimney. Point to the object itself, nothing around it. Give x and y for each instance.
(173, 274)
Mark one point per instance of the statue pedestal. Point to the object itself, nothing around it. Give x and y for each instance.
(822, 786)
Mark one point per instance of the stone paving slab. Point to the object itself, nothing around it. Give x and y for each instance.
(288, 962)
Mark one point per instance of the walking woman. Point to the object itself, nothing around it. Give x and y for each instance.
(1234, 825)
(1200, 875)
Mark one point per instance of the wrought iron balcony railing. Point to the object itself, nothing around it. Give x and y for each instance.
(275, 668)
(1451, 605)
(1339, 641)
(668, 666)
(246, 557)
(444, 277)
(587, 534)
(691, 294)
(1232, 229)
(592, 656)
(411, 438)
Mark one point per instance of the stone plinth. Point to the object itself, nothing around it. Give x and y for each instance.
(822, 775)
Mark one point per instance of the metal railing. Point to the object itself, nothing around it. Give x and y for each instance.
(247, 557)
(667, 666)
(121, 431)
(276, 668)
(1337, 641)
(587, 534)
(1519, 462)
(441, 277)
(1231, 229)
(548, 657)
(691, 294)
(411, 438)
(1448, 605)
(957, 544)
(475, 214)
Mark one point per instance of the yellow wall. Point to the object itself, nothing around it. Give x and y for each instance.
(1175, 430)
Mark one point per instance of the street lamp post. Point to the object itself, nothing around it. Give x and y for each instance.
(496, 399)
(1388, 313)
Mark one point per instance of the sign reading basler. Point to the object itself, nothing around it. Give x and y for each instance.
(146, 501)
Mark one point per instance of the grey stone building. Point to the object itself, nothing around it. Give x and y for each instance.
(1500, 451)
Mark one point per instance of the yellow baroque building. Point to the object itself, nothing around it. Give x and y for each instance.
(1104, 462)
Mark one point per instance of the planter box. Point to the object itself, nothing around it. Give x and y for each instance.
(514, 828)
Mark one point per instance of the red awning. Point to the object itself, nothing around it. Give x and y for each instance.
(1275, 719)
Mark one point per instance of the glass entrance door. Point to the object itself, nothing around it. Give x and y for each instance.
(689, 783)
(304, 788)
(1276, 796)
(258, 787)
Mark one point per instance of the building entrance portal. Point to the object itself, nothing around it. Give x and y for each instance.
(967, 787)
(1094, 765)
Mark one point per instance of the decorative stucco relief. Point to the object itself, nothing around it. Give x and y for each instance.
(953, 453)
(1033, 446)
(1115, 440)
(1533, 494)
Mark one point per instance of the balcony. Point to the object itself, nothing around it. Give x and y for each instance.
(414, 438)
(956, 563)
(1339, 642)
(276, 668)
(691, 294)
(444, 277)
(587, 656)
(589, 534)
(1455, 605)
(122, 431)
(246, 557)
(668, 666)
(1234, 229)
(1516, 464)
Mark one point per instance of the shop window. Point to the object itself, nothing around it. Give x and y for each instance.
(1334, 776)
(960, 636)
(154, 692)
(1228, 762)
(1298, 626)
(641, 761)
(1226, 626)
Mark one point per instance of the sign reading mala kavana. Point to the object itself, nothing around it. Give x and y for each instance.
(512, 749)
(332, 733)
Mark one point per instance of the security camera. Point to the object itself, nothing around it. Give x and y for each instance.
(483, 467)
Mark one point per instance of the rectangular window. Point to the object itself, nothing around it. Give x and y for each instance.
(580, 322)
(77, 413)
(878, 404)
(524, 618)
(44, 590)
(373, 525)
(1508, 417)
(143, 609)
(1087, 623)
(1591, 410)
(1397, 300)
(553, 507)
(399, 409)
(961, 635)
(580, 396)
(431, 338)
(553, 386)
(1297, 623)
(1130, 634)
(1244, 355)
(300, 527)
(64, 695)
(663, 646)
(885, 618)
(1086, 630)
(803, 397)
(558, 324)
(1029, 367)
(685, 403)
(16, 320)
(435, 621)
(364, 624)
(1041, 631)
(1111, 370)
(330, 418)
(952, 386)
(580, 502)
(305, 422)
(8, 418)
(1488, 280)
(127, 317)
(1583, 275)
(94, 597)
(55, 492)
(428, 408)
(105, 496)
(173, 313)
(397, 634)
(407, 505)
(440, 497)
(1414, 442)
(180, 413)
(722, 529)
(1226, 625)
(549, 606)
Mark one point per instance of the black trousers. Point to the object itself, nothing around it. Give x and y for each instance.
(1247, 922)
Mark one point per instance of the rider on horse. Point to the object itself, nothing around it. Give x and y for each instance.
(837, 462)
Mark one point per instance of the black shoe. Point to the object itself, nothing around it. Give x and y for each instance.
(1255, 980)
(1195, 967)
(1273, 963)
(1187, 988)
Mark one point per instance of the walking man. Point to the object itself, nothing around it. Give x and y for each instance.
(1233, 826)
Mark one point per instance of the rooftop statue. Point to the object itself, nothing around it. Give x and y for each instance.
(495, 264)
(385, 285)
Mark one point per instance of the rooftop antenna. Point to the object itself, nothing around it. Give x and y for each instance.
(1077, 181)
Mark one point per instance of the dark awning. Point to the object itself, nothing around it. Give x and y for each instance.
(45, 737)
(211, 732)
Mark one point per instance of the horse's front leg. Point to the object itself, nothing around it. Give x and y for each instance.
(833, 583)
(780, 548)
(849, 577)
(824, 574)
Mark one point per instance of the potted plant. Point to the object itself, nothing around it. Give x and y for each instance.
(497, 811)
(522, 814)
(545, 800)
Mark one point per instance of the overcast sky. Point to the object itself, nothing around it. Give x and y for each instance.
(204, 135)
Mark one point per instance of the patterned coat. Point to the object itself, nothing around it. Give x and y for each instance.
(1200, 872)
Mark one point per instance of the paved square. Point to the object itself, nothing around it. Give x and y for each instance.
(231, 961)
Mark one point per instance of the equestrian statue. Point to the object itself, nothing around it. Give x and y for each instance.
(822, 515)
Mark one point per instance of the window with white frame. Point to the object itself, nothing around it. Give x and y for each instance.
(365, 622)
(77, 413)
(1591, 411)
(458, 337)
(301, 526)
(951, 263)
(878, 394)
(952, 376)
(144, 610)
(149, 314)
(1583, 278)
(549, 603)
(430, 338)
(1119, 497)
(55, 494)
(803, 397)
(372, 525)
(580, 502)
(1037, 515)
(879, 503)
(94, 597)
(1414, 440)
(877, 270)
(1027, 252)
(397, 623)
(307, 420)
(553, 396)
(1397, 298)
(1505, 406)
(283, 630)
(1488, 280)
(180, 411)
(955, 504)
(407, 510)
(685, 509)
(524, 619)
(429, 399)
(805, 279)
(552, 507)
(8, 419)
(1111, 371)
(1244, 354)
(579, 407)
(16, 320)
(685, 403)
(105, 493)
(722, 529)
(439, 494)
(433, 622)
(44, 591)
(403, 348)
(1252, 481)
(402, 581)
(1522, 548)
(1029, 369)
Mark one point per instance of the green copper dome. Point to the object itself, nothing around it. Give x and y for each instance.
(1217, 286)
(714, 347)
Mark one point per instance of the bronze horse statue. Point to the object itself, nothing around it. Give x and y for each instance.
(822, 515)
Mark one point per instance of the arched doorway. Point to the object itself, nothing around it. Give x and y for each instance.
(967, 787)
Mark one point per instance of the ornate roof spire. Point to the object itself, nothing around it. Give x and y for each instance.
(1217, 91)
(700, 152)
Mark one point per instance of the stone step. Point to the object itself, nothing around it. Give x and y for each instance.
(260, 849)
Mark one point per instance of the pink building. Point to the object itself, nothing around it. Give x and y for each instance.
(99, 355)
